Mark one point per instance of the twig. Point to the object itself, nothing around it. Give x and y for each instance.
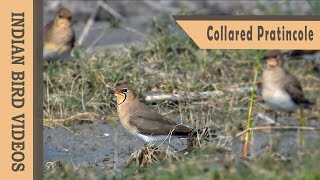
(65, 127)
(86, 116)
(47, 126)
(159, 7)
(82, 98)
(191, 96)
(134, 31)
(183, 96)
(167, 113)
(110, 10)
(266, 118)
(86, 29)
(96, 40)
(277, 128)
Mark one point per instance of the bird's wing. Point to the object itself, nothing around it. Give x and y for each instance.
(150, 123)
(294, 89)
(47, 31)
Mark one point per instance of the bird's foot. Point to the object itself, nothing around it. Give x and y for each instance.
(268, 119)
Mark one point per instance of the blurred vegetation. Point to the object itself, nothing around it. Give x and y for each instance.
(208, 163)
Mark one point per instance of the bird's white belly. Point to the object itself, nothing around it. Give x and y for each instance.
(314, 57)
(152, 139)
(279, 100)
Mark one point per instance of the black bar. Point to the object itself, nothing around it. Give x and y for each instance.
(37, 90)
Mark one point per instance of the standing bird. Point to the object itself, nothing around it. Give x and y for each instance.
(311, 55)
(281, 90)
(140, 121)
(58, 37)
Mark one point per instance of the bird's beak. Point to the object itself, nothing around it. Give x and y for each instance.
(112, 92)
(265, 58)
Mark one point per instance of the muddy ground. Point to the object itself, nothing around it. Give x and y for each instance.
(108, 145)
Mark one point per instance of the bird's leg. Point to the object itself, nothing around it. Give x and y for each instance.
(192, 143)
(276, 118)
(270, 116)
(266, 118)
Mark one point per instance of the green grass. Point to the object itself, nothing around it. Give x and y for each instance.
(201, 165)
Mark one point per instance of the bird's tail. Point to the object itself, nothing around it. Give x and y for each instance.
(307, 103)
(296, 53)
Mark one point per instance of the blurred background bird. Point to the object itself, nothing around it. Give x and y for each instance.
(281, 90)
(59, 37)
(311, 55)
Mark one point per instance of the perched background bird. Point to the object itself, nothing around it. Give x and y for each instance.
(311, 55)
(58, 37)
(281, 90)
(140, 121)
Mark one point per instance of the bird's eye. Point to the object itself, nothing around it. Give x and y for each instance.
(60, 16)
(124, 90)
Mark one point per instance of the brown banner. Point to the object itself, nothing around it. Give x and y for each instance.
(16, 82)
(253, 32)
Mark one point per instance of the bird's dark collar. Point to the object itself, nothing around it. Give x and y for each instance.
(125, 97)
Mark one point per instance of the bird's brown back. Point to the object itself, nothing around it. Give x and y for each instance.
(137, 116)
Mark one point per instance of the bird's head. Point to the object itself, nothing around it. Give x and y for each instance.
(124, 93)
(63, 17)
(274, 59)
